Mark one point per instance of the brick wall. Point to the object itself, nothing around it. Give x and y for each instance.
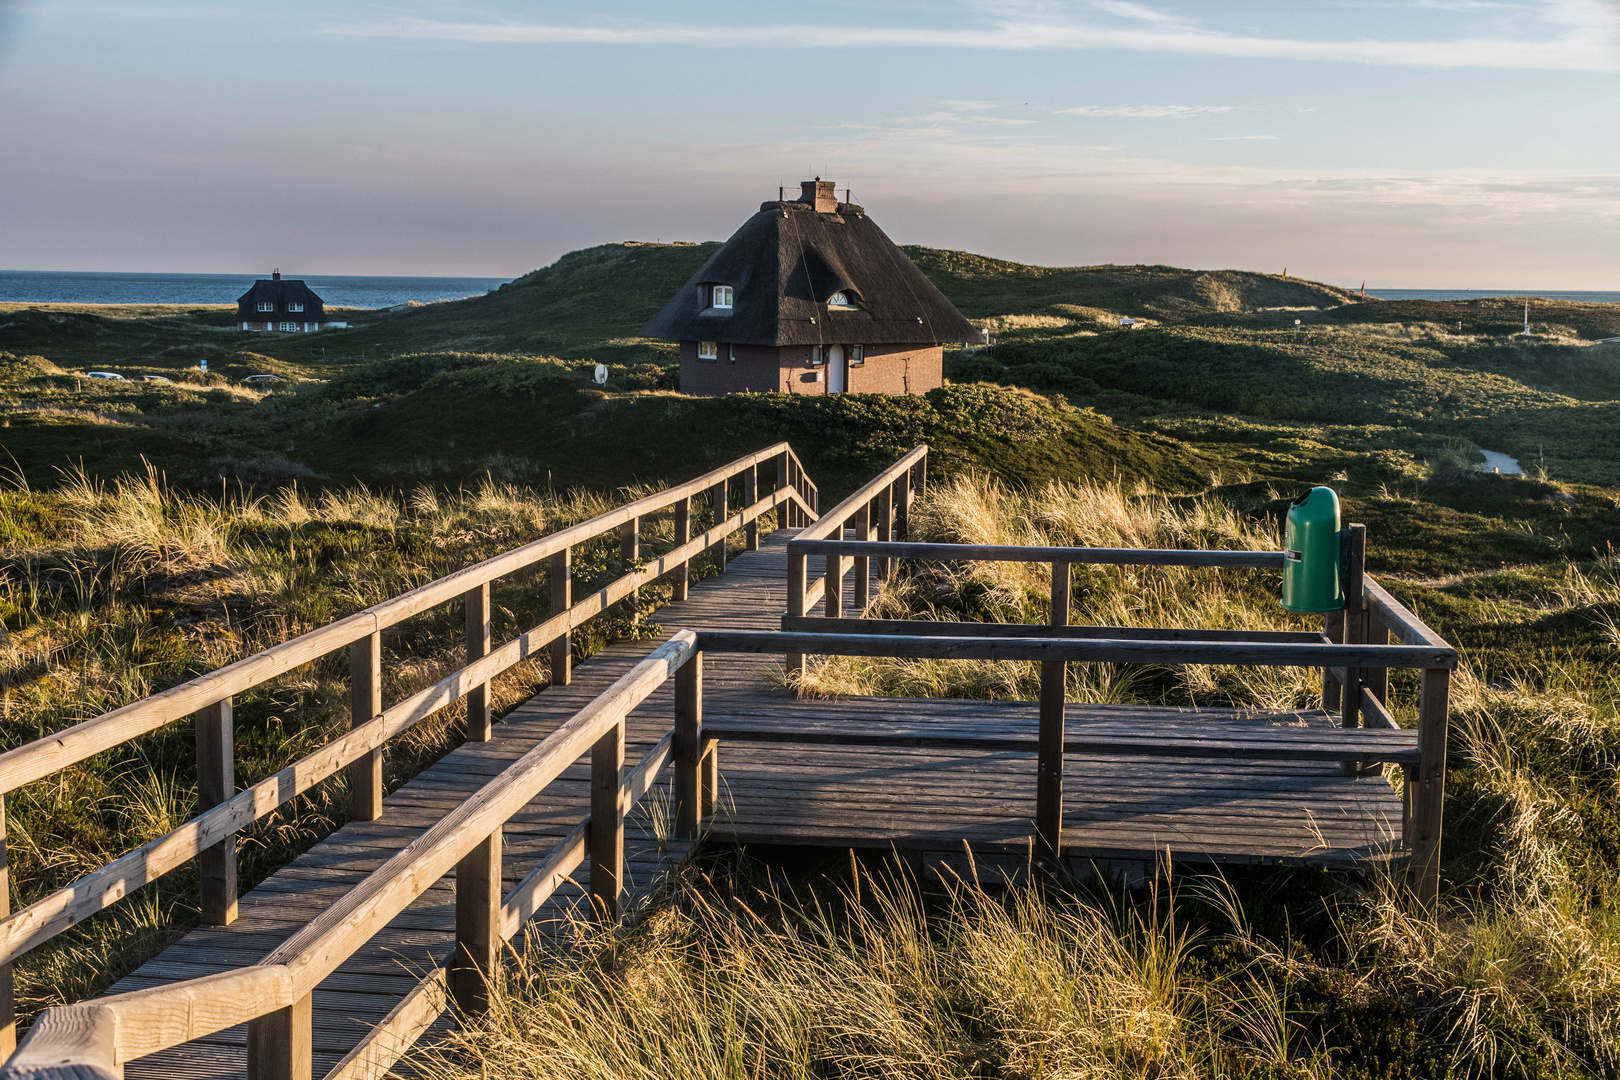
(889, 369)
(740, 368)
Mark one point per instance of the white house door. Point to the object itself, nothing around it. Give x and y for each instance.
(837, 372)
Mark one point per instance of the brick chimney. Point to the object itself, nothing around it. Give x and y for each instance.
(275, 275)
(819, 194)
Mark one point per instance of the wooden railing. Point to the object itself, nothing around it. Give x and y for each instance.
(1355, 683)
(211, 835)
(95, 1039)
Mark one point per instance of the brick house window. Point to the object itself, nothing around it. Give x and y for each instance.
(290, 326)
(722, 297)
(295, 307)
(708, 350)
(266, 305)
(815, 354)
(857, 355)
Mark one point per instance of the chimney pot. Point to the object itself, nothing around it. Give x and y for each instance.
(820, 194)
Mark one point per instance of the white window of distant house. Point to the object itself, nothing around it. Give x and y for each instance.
(295, 307)
(722, 297)
(266, 305)
(815, 354)
(708, 350)
(857, 355)
(839, 300)
(289, 326)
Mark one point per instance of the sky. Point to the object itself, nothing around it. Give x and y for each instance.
(1422, 144)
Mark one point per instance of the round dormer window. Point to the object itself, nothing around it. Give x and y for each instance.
(839, 299)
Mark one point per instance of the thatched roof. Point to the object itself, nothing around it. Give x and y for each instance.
(280, 291)
(784, 264)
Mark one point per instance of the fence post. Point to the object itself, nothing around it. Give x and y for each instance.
(1049, 763)
(1060, 594)
(709, 772)
(281, 1045)
(562, 598)
(630, 552)
(922, 474)
(216, 783)
(1428, 791)
(784, 514)
(797, 586)
(1332, 692)
(1354, 558)
(478, 635)
(721, 501)
(8, 1007)
(365, 702)
(885, 526)
(750, 497)
(795, 515)
(689, 747)
(478, 925)
(902, 498)
(682, 577)
(607, 824)
(835, 583)
(862, 573)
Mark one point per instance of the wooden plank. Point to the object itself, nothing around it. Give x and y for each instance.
(1104, 650)
(819, 544)
(1373, 711)
(812, 624)
(1400, 622)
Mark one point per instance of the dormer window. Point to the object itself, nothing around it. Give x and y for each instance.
(840, 299)
(722, 297)
(267, 305)
(295, 307)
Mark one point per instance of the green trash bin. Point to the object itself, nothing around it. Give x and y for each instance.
(1311, 553)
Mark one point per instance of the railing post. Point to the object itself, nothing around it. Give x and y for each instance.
(835, 584)
(365, 702)
(8, 1001)
(862, 573)
(885, 526)
(682, 577)
(607, 824)
(478, 636)
(1332, 692)
(750, 497)
(784, 514)
(793, 515)
(478, 926)
(1376, 679)
(1060, 594)
(689, 747)
(1049, 763)
(562, 598)
(216, 783)
(797, 586)
(721, 503)
(630, 552)
(902, 498)
(281, 1045)
(1354, 560)
(1428, 789)
(709, 769)
(922, 475)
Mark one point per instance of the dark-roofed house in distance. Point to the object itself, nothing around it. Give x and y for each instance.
(281, 304)
(810, 297)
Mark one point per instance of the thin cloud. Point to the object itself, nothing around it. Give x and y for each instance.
(1589, 39)
(1147, 112)
(1239, 138)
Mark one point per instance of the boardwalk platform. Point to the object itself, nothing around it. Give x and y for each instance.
(923, 800)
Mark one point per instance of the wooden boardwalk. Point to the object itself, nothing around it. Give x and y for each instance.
(1121, 811)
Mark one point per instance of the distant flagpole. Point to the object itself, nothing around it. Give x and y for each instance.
(1364, 290)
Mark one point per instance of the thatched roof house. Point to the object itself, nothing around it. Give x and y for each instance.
(810, 296)
(280, 304)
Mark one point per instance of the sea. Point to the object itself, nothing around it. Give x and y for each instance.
(1482, 294)
(62, 287)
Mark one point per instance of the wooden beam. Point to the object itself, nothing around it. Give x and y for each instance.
(885, 528)
(1374, 712)
(216, 785)
(833, 520)
(1101, 650)
(630, 553)
(815, 624)
(682, 577)
(562, 591)
(1428, 791)
(1012, 553)
(607, 824)
(1049, 762)
(861, 576)
(1353, 560)
(281, 1044)
(365, 703)
(689, 748)
(1394, 615)
(751, 496)
(718, 500)
(479, 715)
(1333, 678)
(8, 994)
(478, 925)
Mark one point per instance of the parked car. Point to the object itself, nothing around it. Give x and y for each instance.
(259, 380)
(150, 378)
(105, 375)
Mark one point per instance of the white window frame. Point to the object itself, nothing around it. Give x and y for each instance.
(708, 350)
(294, 307)
(857, 355)
(290, 327)
(815, 356)
(267, 305)
(840, 299)
(722, 297)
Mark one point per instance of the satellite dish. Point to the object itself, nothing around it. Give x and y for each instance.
(601, 374)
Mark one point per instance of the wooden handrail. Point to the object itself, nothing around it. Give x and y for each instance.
(838, 516)
(1397, 617)
(1103, 650)
(94, 1039)
(1010, 553)
(42, 757)
(99, 889)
